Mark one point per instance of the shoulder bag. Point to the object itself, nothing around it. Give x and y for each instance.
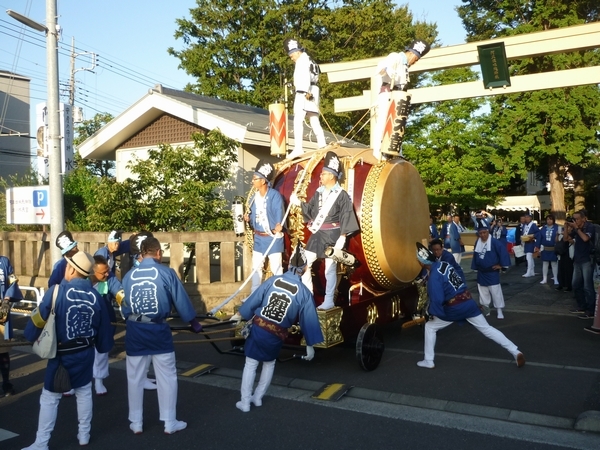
(45, 345)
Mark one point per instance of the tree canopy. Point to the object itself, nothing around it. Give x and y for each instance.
(553, 131)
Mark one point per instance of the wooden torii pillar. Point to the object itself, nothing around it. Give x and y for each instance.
(560, 40)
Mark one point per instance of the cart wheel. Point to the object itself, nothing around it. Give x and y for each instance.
(369, 346)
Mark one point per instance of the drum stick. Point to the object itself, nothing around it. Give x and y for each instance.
(228, 299)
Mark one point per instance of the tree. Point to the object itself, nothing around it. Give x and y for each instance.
(29, 178)
(450, 145)
(175, 189)
(235, 50)
(552, 130)
(86, 129)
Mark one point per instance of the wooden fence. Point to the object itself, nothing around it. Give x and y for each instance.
(215, 269)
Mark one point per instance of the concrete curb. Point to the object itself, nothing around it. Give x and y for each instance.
(588, 421)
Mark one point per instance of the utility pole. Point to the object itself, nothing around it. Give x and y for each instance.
(73, 70)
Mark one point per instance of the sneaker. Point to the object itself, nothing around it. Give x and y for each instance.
(173, 426)
(150, 384)
(84, 438)
(520, 359)
(592, 330)
(136, 427)
(577, 311)
(100, 388)
(586, 316)
(426, 364)
(243, 407)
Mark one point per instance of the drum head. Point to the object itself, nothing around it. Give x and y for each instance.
(395, 215)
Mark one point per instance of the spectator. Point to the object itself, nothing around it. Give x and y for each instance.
(529, 237)
(547, 238)
(565, 258)
(456, 244)
(9, 293)
(582, 233)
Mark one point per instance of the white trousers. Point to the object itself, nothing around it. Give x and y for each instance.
(49, 410)
(330, 276)
(166, 385)
(457, 257)
(248, 376)
(489, 294)
(479, 322)
(383, 105)
(554, 265)
(275, 264)
(100, 365)
(530, 264)
(313, 118)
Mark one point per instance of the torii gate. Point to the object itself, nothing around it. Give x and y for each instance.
(579, 37)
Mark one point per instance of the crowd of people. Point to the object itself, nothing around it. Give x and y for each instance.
(568, 254)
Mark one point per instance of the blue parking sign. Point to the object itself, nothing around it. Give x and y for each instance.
(40, 198)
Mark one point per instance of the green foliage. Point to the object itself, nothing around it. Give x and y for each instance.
(80, 191)
(175, 189)
(29, 178)
(86, 129)
(551, 131)
(235, 50)
(449, 144)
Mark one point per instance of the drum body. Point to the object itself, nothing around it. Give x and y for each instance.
(393, 213)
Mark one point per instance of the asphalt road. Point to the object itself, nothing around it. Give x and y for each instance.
(476, 397)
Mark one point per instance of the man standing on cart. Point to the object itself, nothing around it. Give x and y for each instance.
(331, 220)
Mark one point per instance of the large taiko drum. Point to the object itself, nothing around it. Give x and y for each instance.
(391, 205)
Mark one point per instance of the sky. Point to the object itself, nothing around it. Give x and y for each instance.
(130, 39)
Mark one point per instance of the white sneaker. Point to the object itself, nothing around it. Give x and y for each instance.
(426, 364)
(136, 427)
(173, 426)
(35, 446)
(243, 407)
(150, 384)
(84, 438)
(100, 388)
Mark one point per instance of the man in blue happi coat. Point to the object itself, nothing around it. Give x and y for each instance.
(68, 247)
(449, 302)
(9, 293)
(490, 257)
(273, 308)
(529, 235)
(151, 292)
(82, 324)
(265, 218)
(113, 248)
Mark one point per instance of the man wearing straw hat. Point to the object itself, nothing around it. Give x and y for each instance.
(82, 324)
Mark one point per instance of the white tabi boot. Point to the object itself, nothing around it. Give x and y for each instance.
(247, 384)
(266, 375)
(48, 411)
(84, 413)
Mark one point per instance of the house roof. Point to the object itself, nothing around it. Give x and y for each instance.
(246, 124)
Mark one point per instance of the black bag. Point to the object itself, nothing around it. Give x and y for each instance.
(561, 247)
(62, 381)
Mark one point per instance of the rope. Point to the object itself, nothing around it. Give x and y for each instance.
(202, 333)
(197, 341)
